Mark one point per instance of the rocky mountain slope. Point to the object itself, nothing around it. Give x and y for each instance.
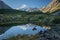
(51, 7)
(4, 6)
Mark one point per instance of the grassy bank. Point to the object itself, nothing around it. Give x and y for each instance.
(24, 37)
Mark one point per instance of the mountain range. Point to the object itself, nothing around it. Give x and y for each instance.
(28, 9)
(51, 7)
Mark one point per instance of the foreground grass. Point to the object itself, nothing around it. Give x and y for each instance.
(24, 37)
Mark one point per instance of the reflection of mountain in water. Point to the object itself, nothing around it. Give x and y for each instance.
(15, 30)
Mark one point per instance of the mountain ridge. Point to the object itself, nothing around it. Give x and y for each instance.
(51, 7)
(24, 7)
(4, 5)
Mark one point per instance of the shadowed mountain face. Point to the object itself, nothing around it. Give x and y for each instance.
(59, 0)
(4, 6)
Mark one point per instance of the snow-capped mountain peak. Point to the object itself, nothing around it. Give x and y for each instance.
(22, 7)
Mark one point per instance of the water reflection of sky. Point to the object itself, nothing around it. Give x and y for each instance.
(22, 29)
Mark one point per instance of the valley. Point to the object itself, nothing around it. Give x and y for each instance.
(21, 17)
(30, 20)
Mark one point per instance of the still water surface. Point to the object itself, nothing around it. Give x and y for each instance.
(22, 29)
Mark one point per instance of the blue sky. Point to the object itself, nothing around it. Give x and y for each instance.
(30, 3)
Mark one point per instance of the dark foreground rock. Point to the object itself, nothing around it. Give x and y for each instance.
(52, 34)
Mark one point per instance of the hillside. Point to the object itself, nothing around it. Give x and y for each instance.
(8, 16)
(11, 17)
(4, 5)
(51, 7)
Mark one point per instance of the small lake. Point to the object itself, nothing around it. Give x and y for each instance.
(29, 29)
